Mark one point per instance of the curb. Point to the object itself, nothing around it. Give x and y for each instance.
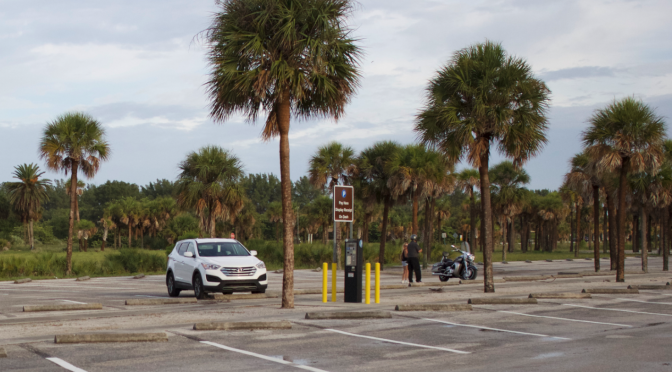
(427, 284)
(650, 286)
(228, 326)
(568, 273)
(526, 278)
(21, 281)
(253, 296)
(349, 315)
(34, 308)
(3, 353)
(495, 281)
(502, 301)
(566, 276)
(83, 278)
(161, 301)
(433, 307)
(559, 295)
(110, 337)
(610, 291)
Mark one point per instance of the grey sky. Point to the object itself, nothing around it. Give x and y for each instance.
(134, 66)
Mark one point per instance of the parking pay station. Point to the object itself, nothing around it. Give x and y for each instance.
(354, 262)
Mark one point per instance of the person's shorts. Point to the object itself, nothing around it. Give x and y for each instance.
(404, 263)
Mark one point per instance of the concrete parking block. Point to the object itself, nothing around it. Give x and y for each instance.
(229, 326)
(24, 280)
(252, 296)
(480, 281)
(68, 307)
(82, 278)
(526, 278)
(110, 337)
(650, 286)
(433, 307)
(161, 301)
(599, 273)
(559, 295)
(3, 353)
(349, 315)
(502, 301)
(610, 291)
(139, 276)
(433, 284)
(568, 273)
(567, 276)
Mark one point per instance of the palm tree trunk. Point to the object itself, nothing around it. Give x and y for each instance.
(613, 239)
(503, 225)
(666, 248)
(512, 234)
(71, 217)
(486, 220)
(605, 243)
(596, 218)
(31, 236)
(414, 226)
(579, 237)
(383, 232)
(129, 234)
(337, 239)
(283, 117)
(635, 233)
(211, 221)
(622, 188)
(102, 246)
(571, 229)
(645, 251)
(472, 219)
(428, 233)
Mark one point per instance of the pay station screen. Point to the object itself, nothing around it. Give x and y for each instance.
(351, 254)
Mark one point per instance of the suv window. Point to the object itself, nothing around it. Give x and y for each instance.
(223, 249)
(182, 249)
(191, 248)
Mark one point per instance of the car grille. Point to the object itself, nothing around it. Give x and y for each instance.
(239, 271)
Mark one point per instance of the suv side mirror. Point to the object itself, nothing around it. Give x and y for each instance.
(188, 254)
(254, 253)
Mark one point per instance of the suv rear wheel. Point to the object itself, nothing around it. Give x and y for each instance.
(170, 284)
(199, 290)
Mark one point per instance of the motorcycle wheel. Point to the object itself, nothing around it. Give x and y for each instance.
(473, 273)
(443, 278)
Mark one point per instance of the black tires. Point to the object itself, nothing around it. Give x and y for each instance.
(443, 278)
(199, 289)
(260, 291)
(469, 273)
(474, 273)
(170, 284)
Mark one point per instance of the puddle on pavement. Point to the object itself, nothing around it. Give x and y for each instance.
(301, 362)
(548, 355)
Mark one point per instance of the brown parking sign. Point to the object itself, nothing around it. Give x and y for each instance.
(344, 203)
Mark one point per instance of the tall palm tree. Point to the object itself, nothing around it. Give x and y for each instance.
(373, 169)
(28, 195)
(508, 194)
(480, 98)
(74, 142)
(466, 181)
(626, 136)
(332, 164)
(208, 183)
(279, 57)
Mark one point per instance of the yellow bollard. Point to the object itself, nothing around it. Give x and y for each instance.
(367, 284)
(325, 280)
(377, 282)
(333, 282)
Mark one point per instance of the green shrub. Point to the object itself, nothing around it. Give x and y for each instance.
(136, 260)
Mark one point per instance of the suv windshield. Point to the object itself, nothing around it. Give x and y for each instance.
(221, 250)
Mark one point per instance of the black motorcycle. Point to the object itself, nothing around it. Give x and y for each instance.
(462, 267)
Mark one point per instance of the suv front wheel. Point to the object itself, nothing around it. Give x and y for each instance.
(199, 289)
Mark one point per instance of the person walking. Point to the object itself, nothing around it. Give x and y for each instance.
(413, 258)
(404, 264)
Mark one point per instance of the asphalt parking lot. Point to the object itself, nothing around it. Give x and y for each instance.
(614, 332)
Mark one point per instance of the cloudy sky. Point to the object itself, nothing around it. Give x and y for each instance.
(135, 66)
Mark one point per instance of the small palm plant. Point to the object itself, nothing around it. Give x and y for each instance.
(28, 195)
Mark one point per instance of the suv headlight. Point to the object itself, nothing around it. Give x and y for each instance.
(260, 265)
(210, 266)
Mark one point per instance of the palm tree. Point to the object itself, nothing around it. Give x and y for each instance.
(467, 180)
(373, 169)
(208, 183)
(508, 195)
(279, 57)
(484, 97)
(74, 142)
(28, 195)
(333, 164)
(626, 136)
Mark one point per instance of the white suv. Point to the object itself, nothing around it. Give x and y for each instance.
(214, 265)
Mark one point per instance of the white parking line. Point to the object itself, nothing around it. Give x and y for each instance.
(74, 302)
(495, 329)
(625, 311)
(65, 365)
(265, 357)
(567, 319)
(645, 302)
(399, 342)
